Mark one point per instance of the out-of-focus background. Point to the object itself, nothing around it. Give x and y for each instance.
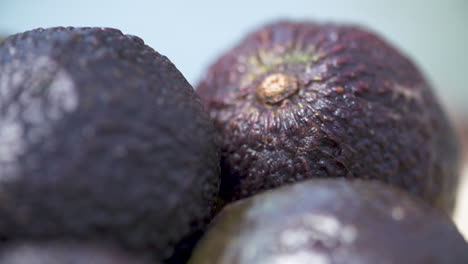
(434, 33)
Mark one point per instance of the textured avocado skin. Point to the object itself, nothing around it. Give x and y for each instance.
(65, 252)
(113, 141)
(331, 221)
(363, 110)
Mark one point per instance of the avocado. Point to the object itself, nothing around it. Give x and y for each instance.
(300, 100)
(331, 221)
(65, 252)
(461, 126)
(101, 137)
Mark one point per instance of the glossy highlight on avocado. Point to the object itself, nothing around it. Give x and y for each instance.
(299, 100)
(331, 221)
(101, 136)
(63, 252)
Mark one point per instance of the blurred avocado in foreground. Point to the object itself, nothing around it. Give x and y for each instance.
(62, 252)
(101, 137)
(331, 221)
(461, 125)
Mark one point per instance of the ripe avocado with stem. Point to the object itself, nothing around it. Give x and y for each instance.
(306, 100)
(331, 221)
(66, 252)
(101, 136)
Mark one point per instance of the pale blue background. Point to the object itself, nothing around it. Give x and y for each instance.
(193, 33)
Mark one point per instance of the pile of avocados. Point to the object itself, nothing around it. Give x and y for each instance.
(305, 143)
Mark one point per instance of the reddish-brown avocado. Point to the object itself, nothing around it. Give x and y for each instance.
(306, 100)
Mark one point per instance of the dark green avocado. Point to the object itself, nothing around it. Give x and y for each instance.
(62, 252)
(101, 137)
(331, 221)
(298, 100)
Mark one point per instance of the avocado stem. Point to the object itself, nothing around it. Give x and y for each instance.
(276, 87)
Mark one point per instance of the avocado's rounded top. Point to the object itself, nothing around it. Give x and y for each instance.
(331, 221)
(298, 100)
(100, 135)
(65, 253)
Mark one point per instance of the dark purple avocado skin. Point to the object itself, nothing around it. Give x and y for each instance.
(362, 110)
(66, 252)
(114, 143)
(331, 221)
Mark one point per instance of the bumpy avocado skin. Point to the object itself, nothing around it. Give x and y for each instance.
(101, 136)
(66, 252)
(361, 110)
(331, 221)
